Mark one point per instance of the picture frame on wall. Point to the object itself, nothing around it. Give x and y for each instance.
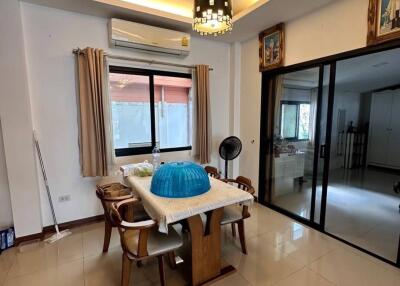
(383, 21)
(272, 47)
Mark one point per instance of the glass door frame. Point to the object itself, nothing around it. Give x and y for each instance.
(266, 137)
(267, 102)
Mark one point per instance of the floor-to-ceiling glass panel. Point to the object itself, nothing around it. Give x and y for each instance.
(362, 206)
(295, 120)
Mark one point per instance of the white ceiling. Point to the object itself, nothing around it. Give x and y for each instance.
(360, 74)
(370, 72)
(252, 16)
(185, 6)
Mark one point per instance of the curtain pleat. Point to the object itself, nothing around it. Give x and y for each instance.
(203, 116)
(274, 95)
(93, 147)
(278, 98)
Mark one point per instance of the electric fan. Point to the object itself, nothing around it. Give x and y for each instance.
(229, 149)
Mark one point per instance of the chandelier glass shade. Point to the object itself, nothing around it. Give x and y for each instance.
(212, 17)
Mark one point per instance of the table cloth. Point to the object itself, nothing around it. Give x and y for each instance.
(169, 210)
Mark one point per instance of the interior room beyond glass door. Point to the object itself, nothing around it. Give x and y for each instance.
(362, 206)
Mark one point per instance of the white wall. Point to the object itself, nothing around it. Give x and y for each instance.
(338, 27)
(50, 36)
(351, 102)
(6, 219)
(16, 120)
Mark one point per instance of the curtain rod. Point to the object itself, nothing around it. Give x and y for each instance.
(151, 62)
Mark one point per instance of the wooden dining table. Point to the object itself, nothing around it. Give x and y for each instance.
(206, 264)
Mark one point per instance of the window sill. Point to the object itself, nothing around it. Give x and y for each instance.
(146, 151)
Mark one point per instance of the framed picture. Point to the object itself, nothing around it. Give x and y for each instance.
(272, 44)
(383, 21)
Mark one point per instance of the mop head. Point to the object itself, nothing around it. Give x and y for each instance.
(58, 235)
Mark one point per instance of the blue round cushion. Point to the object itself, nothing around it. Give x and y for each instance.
(180, 180)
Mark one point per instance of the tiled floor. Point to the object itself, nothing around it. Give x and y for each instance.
(281, 252)
(361, 208)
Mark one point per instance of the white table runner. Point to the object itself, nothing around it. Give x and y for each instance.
(170, 210)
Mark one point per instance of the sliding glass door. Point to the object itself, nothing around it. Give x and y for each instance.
(298, 141)
(329, 153)
(361, 205)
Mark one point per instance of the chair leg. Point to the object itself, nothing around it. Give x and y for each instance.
(242, 236)
(107, 236)
(161, 270)
(233, 229)
(126, 270)
(171, 260)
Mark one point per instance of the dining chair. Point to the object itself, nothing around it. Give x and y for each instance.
(212, 172)
(111, 193)
(141, 240)
(236, 214)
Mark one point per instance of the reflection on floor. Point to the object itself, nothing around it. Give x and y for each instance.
(281, 252)
(361, 208)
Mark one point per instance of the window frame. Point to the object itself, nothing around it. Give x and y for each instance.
(297, 103)
(122, 152)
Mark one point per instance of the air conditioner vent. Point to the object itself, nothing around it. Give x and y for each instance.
(148, 38)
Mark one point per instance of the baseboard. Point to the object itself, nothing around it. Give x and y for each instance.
(66, 225)
(30, 237)
(75, 223)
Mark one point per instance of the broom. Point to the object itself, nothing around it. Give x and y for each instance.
(59, 234)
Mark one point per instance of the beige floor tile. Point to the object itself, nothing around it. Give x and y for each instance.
(277, 236)
(233, 280)
(69, 274)
(106, 270)
(173, 276)
(267, 266)
(304, 277)
(93, 238)
(259, 227)
(7, 258)
(345, 268)
(70, 248)
(32, 260)
(39, 256)
(308, 248)
(280, 252)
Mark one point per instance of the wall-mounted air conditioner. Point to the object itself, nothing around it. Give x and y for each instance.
(148, 38)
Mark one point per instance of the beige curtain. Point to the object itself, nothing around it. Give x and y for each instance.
(278, 98)
(313, 114)
(92, 135)
(203, 118)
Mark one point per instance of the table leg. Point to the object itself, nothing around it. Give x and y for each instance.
(206, 248)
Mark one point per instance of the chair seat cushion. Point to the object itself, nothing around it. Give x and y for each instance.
(232, 214)
(157, 243)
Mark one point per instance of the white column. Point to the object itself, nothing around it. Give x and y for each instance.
(16, 119)
(234, 114)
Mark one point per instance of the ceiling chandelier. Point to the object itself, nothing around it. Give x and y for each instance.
(212, 17)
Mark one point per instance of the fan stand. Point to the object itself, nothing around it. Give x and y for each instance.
(226, 169)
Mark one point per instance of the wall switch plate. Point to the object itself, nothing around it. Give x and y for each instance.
(64, 198)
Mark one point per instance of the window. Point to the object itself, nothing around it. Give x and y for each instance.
(295, 120)
(150, 107)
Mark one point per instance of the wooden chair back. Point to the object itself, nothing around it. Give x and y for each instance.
(212, 172)
(109, 194)
(242, 183)
(127, 229)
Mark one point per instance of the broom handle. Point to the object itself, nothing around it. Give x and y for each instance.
(45, 181)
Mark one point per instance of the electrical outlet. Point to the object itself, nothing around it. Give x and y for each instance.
(65, 198)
